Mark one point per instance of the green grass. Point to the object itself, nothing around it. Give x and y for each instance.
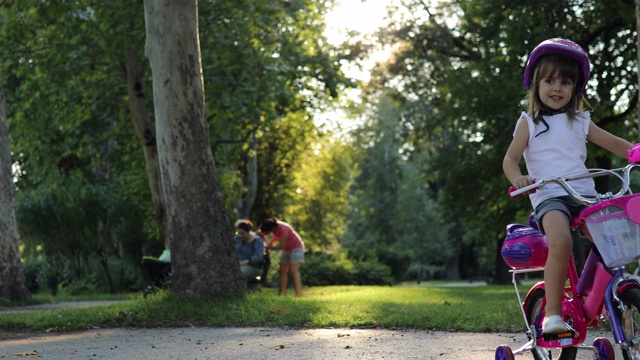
(42, 298)
(478, 309)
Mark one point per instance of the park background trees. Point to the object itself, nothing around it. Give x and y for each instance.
(12, 282)
(415, 185)
(461, 83)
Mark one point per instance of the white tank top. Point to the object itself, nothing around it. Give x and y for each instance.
(559, 151)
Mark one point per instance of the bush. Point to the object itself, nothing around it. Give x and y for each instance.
(321, 269)
(34, 273)
(324, 269)
(371, 272)
(397, 259)
(85, 285)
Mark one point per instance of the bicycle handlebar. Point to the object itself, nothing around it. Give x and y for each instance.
(622, 173)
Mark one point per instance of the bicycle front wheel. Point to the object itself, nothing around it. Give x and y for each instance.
(630, 320)
(535, 308)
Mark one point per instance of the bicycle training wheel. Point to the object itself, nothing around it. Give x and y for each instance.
(535, 308)
(503, 352)
(604, 348)
(630, 320)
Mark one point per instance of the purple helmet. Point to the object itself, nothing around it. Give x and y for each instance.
(558, 46)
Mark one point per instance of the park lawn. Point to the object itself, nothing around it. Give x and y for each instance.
(475, 309)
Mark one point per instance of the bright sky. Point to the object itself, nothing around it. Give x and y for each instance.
(363, 16)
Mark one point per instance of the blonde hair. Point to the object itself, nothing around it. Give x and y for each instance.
(550, 65)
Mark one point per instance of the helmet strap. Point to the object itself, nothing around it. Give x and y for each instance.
(544, 122)
(546, 111)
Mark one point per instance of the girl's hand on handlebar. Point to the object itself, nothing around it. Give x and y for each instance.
(519, 183)
(522, 181)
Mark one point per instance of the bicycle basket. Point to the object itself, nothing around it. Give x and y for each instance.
(614, 233)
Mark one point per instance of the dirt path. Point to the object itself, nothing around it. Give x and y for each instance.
(258, 343)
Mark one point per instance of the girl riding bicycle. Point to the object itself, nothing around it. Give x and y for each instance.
(552, 136)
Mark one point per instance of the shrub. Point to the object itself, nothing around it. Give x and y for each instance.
(321, 269)
(324, 269)
(34, 273)
(397, 259)
(85, 285)
(371, 272)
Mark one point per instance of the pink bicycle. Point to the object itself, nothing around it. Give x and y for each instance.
(605, 290)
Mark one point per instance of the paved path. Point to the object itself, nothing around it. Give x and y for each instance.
(254, 343)
(257, 343)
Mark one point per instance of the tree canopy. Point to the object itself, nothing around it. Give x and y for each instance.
(417, 183)
(457, 71)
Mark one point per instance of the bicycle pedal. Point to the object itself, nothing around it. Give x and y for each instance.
(560, 336)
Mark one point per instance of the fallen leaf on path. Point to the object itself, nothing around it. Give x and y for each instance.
(29, 353)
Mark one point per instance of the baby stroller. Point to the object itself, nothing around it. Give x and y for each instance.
(158, 272)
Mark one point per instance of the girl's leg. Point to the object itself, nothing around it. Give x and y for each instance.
(558, 232)
(297, 281)
(284, 277)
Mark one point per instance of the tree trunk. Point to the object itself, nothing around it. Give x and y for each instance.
(146, 133)
(203, 259)
(453, 267)
(12, 282)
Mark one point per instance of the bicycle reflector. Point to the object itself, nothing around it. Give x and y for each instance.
(524, 247)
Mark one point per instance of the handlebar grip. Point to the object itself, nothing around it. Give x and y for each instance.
(515, 193)
(633, 154)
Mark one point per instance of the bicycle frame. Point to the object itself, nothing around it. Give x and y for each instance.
(572, 305)
(601, 284)
(576, 307)
(620, 281)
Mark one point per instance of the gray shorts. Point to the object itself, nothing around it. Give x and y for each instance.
(293, 256)
(566, 204)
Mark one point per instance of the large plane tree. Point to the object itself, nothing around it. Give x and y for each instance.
(203, 256)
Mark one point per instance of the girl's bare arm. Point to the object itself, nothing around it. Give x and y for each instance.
(511, 161)
(608, 141)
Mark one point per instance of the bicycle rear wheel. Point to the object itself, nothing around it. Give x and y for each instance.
(630, 320)
(535, 308)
